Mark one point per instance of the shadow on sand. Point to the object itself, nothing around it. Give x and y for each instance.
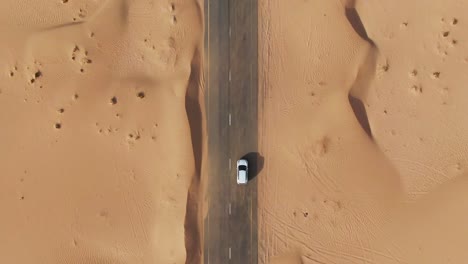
(361, 114)
(255, 163)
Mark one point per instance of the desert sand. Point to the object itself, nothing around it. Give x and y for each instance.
(100, 162)
(364, 131)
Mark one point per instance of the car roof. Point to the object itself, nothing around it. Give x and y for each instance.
(242, 176)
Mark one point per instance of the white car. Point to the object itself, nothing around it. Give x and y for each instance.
(242, 171)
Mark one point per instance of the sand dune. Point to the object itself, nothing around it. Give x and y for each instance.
(363, 130)
(100, 161)
(365, 100)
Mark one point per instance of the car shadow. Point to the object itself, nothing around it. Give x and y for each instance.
(255, 161)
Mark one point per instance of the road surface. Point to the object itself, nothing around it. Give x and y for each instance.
(231, 104)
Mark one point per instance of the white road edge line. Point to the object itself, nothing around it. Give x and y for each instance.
(229, 119)
(229, 253)
(229, 208)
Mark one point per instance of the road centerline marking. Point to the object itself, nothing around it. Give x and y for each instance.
(230, 119)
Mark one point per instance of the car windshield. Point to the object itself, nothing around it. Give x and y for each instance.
(242, 167)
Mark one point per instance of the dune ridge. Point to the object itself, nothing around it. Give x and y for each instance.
(358, 130)
(102, 157)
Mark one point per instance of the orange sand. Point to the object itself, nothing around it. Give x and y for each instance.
(368, 100)
(98, 155)
(100, 162)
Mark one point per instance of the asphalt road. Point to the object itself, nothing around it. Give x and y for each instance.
(231, 104)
